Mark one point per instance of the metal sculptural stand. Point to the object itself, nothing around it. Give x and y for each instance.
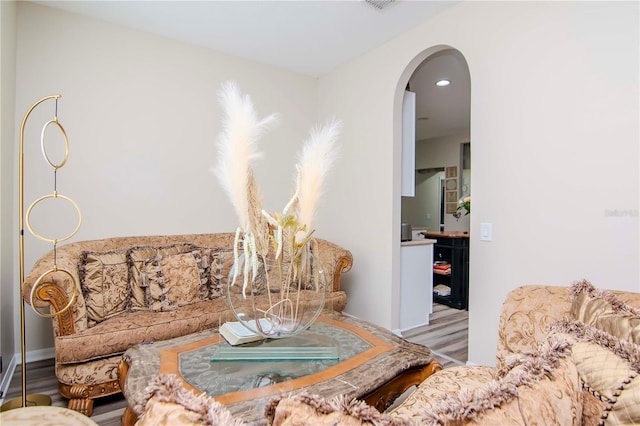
(38, 399)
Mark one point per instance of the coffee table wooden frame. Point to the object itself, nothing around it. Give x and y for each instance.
(380, 397)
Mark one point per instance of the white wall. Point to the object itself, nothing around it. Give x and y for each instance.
(440, 152)
(431, 153)
(8, 232)
(142, 116)
(554, 126)
(423, 210)
(554, 120)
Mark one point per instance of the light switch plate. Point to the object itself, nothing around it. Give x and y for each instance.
(486, 232)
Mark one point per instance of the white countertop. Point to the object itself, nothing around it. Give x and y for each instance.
(418, 242)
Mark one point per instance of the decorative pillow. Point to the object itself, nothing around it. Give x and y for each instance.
(173, 280)
(136, 256)
(168, 403)
(605, 311)
(609, 368)
(206, 262)
(104, 284)
(221, 266)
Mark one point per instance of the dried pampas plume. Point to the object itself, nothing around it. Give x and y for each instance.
(315, 160)
(289, 231)
(237, 152)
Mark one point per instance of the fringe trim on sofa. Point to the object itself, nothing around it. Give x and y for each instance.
(169, 388)
(341, 404)
(624, 349)
(616, 303)
(524, 370)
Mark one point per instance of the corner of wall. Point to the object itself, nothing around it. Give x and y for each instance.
(7, 131)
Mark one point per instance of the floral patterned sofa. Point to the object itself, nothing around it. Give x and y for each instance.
(565, 356)
(124, 297)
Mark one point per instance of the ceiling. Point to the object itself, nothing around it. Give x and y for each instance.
(442, 111)
(304, 36)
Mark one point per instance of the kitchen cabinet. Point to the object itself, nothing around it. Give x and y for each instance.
(416, 292)
(451, 268)
(408, 181)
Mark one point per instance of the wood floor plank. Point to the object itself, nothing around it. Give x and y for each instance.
(446, 334)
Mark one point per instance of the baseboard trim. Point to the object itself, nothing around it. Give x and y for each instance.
(37, 355)
(413, 327)
(6, 379)
(448, 358)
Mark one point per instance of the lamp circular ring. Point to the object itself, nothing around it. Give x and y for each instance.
(44, 197)
(35, 288)
(66, 144)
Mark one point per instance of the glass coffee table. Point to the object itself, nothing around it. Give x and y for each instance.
(336, 355)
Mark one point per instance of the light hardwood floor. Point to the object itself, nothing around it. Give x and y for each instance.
(446, 336)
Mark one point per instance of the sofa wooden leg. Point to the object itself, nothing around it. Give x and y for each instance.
(128, 418)
(79, 400)
(84, 406)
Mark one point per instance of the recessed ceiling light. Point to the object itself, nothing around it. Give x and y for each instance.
(443, 82)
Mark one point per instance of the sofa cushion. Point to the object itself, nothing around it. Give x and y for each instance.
(104, 284)
(136, 256)
(102, 370)
(605, 311)
(541, 388)
(117, 334)
(174, 280)
(609, 368)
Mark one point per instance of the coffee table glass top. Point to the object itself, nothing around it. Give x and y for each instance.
(202, 370)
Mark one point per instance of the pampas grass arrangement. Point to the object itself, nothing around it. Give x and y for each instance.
(238, 149)
(315, 161)
(261, 234)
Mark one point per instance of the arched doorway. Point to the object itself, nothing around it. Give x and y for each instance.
(442, 155)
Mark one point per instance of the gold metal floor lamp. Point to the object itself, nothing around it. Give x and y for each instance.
(38, 400)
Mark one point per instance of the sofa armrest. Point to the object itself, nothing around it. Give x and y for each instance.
(527, 314)
(447, 382)
(335, 259)
(56, 288)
